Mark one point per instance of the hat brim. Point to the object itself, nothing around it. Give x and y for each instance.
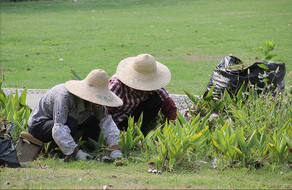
(142, 81)
(101, 96)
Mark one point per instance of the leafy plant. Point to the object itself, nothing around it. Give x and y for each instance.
(175, 141)
(14, 111)
(224, 140)
(269, 47)
(279, 143)
(130, 139)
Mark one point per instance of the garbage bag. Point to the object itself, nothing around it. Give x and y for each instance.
(8, 155)
(231, 80)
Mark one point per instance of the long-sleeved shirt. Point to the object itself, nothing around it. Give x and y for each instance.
(58, 104)
(132, 98)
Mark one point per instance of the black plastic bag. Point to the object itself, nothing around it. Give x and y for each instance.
(8, 155)
(231, 80)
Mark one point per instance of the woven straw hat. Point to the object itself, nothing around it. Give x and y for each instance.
(94, 88)
(143, 73)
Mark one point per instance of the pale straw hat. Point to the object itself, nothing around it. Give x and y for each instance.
(94, 88)
(143, 73)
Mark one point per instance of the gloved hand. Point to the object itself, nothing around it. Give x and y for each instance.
(83, 156)
(116, 154)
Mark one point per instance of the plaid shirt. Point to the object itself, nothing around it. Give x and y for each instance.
(132, 98)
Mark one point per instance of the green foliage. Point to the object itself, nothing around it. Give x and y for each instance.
(14, 111)
(224, 141)
(175, 143)
(129, 140)
(279, 143)
(206, 104)
(269, 47)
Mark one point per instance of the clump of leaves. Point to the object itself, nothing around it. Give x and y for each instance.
(15, 110)
(266, 51)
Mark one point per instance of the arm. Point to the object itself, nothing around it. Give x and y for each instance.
(110, 132)
(169, 109)
(61, 132)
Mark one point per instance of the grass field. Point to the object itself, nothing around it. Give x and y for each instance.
(48, 174)
(42, 41)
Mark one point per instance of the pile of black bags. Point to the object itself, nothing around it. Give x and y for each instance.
(231, 80)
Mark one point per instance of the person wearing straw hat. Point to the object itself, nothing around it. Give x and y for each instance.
(77, 104)
(139, 81)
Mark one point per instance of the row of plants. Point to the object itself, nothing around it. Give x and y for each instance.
(239, 136)
(250, 128)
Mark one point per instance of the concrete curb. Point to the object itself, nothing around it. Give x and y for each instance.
(34, 95)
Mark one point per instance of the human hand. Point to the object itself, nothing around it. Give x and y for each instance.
(116, 154)
(83, 156)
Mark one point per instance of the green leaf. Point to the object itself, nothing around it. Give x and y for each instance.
(193, 98)
(208, 97)
(158, 163)
(22, 97)
(269, 46)
(136, 140)
(240, 92)
(75, 75)
(172, 142)
(93, 143)
(253, 141)
(204, 121)
(240, 140)
(263, 66)
(289, 142)
(129, 139)
(271, 56)
(282, 144)
(171, 164)
(237, 150)
(196, 120)
(217, 146)
(150, 144)
(226, 97)
(181, 118)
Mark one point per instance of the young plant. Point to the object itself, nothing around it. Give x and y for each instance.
(269, 47)
(15, 111)
(279, 143)
(224, 140)
(175, 141)
(130, 139)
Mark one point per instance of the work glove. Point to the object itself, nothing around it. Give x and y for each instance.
(83, 156)
(116, 154)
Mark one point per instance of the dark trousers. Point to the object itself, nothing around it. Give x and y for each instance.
(90, 127)
(150, 109)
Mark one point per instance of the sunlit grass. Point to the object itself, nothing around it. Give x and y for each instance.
(190, 37)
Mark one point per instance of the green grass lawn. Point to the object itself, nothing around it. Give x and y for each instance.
(42, 41)
(48, 173)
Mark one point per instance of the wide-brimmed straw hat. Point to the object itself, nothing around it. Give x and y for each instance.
(94, 88)
(143, 73)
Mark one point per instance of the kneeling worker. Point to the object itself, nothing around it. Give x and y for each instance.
(139, 81)
(77, 105)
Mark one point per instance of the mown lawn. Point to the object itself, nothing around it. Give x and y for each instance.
(42, 41)
(48, 174)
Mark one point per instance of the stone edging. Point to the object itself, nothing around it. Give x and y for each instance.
(179, 99)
